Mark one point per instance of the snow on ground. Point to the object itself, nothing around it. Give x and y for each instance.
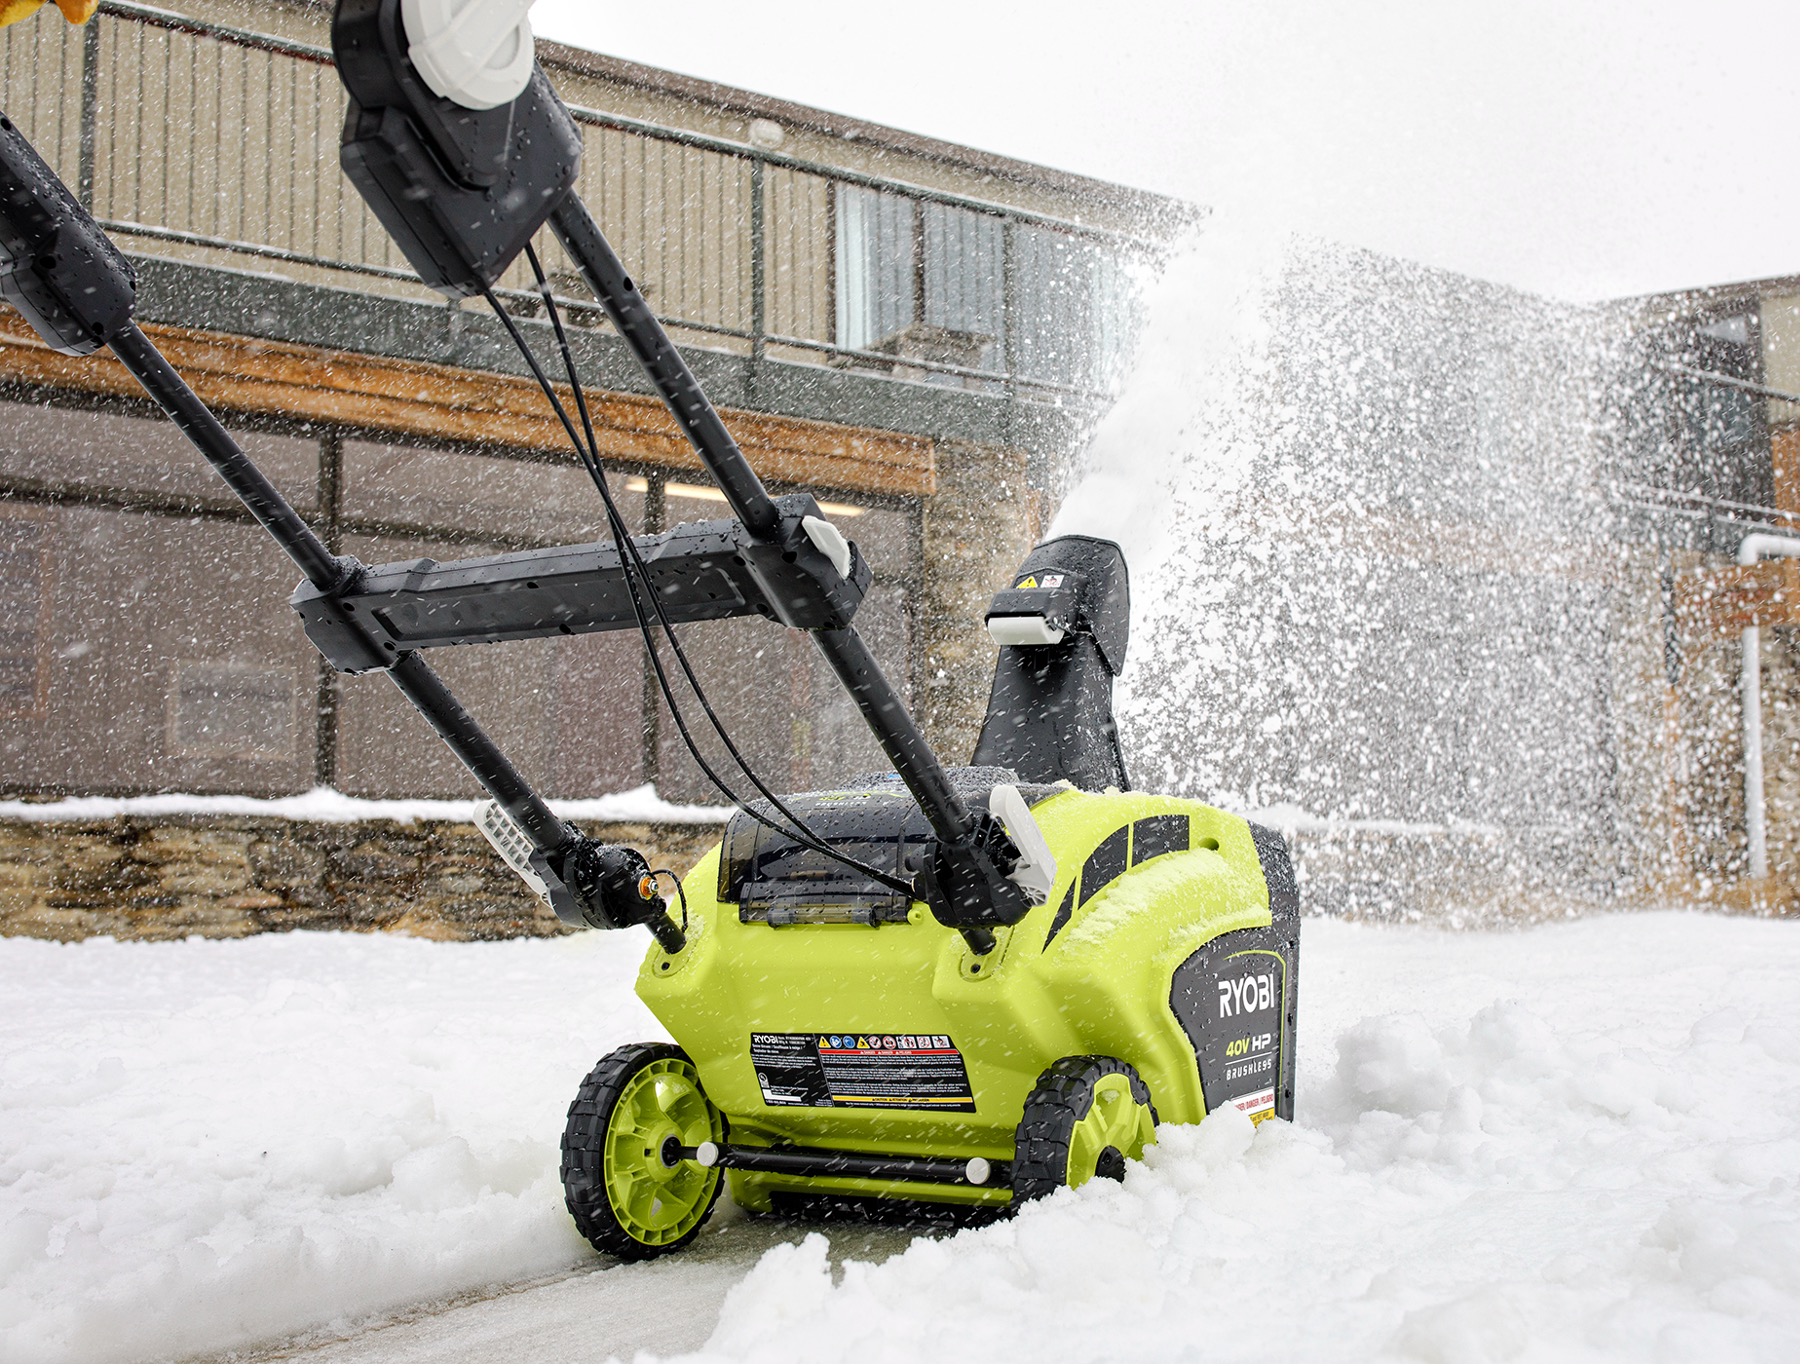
(205, 1144)
(1579, 1140)
(1572, 1142)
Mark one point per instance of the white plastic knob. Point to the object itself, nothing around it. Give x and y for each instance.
(707, 1153)
(477, 53)
(1038, 868)
(977, 1171)
(829, 540)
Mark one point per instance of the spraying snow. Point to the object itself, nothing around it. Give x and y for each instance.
(1372, 576)
(1178, 420)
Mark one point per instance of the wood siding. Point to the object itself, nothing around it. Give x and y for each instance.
(442, 403)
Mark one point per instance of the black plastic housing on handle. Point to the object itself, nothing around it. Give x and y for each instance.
(701, 571)
(462, 191)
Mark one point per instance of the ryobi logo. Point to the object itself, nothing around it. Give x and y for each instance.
(1256, 991)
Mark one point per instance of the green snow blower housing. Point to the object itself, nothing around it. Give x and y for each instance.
(926, 989)
(819, 1014)
(840, 1047)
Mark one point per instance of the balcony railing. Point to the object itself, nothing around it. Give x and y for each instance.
(224, 143)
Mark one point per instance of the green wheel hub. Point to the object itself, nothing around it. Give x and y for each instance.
(1116, 1131)
(657, 1196)
(1088, 1116)
(626, 1183)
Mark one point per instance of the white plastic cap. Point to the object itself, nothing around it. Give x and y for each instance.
(830, 542)
(477, 53)
(1038, 869)
(1023, 631)
(707, 1153)
(977, 1170)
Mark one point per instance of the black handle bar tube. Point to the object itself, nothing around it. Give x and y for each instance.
(669, 372)
(420, 685)
(160, 380)
(845, 652)
(884, 711)
(411, 674)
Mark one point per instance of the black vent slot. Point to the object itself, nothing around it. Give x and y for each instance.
(1156, 835)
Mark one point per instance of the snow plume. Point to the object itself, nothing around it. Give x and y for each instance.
(1371, 584)
(1179, 421)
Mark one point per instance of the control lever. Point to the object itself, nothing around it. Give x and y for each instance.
(587, 884)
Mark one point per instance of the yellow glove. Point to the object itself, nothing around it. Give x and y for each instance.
(75, 11)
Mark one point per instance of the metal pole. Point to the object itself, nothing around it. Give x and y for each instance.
(467, 740)
(1754, 765)
(1752, 737)
(90, 112)
(325, 695)
(883, 710)
(411, 674)
(758, 255)
(252, 486)
(669, 373)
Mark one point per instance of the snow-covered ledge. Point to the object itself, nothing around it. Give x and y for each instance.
(637, 805)
(177, 864)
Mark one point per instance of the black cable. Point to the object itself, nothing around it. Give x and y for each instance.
(682, 897)
(629, 549)
(631, 561)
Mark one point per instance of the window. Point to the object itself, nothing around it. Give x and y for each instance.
(1074, 308)
(232, 711)
(926, 281)
(962, 275)
(919, 281)
(1686, 429)
(24, 596)
(874, 268)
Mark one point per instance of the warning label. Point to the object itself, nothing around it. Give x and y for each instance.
(862, 1071)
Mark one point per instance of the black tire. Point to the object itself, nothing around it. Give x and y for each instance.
(625, 1196)
(1065, 1098)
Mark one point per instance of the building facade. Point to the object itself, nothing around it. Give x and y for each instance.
(1702, 430)
(915, 332)
(1539, 709)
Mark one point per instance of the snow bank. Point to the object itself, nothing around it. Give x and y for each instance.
(328, 804)
(1573, 1141)
(206, 1144)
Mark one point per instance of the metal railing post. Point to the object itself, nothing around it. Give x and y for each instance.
(90, 112)
(1011, 329)
(329, 497)
(759, 329)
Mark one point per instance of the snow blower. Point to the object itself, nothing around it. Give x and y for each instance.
(936, 990)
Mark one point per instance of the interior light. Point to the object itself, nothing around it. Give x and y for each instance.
(707, 493)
